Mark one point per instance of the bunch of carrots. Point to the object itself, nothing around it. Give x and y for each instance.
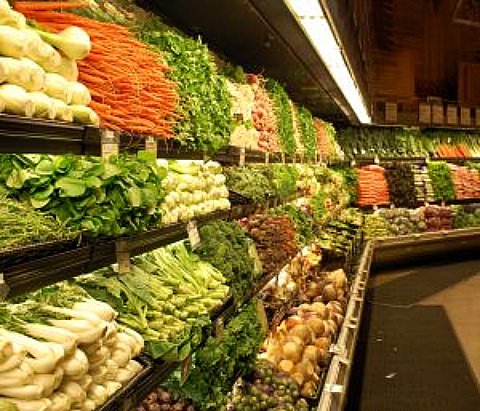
(466, 182)
(372, 186)
(130, 91)
(449, 151)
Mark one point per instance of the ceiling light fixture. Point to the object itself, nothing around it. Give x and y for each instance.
(315, 24)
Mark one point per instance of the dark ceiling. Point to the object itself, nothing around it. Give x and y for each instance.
(262, 36)
(417, 48)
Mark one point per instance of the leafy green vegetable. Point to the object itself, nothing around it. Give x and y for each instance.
(216, 365)
(401, 185)
(229, 250)
(253, 182)
(441, 177)
(21, 225)
(308, 133)
(284, 116)
(205, 121)
(120, 196)
(167, 297)
(284, 180)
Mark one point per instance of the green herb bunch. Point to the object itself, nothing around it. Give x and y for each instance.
(284, 116)
(308, 132)
(441, 177)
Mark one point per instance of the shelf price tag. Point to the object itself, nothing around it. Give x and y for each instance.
(151, 145)
(375, 207)
(241, 161)
(353, 163)
(219, 328)
(110, 143)
(262, 315)
(283, 157)
(193, 234)
(123, 256)
(376, 160)
(185, 369)
(4, 288)
(267, 157)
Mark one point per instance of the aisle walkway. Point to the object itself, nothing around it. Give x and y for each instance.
(419, 346)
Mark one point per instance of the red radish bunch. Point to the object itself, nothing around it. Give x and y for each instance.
(263, 116)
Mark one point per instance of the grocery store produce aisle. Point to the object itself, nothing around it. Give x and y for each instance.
(419, 346)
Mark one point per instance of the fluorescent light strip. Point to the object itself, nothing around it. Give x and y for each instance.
(317, 28)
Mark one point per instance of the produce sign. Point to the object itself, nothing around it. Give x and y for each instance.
(118, 196)
(441, 177)
(167, 297)
(275, 238)
(39, 69)
(61, 349)
(372, 186)
(401, 185)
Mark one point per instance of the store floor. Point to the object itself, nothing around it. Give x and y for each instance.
(419, 346)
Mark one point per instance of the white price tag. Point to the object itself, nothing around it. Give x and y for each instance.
(283, 158)
(110, 143)
(241, 161)
(4, 288)
(185, 369)
(376, 160)
(151, 145)
(193, 234)
(267, 157)
(123, 256)
(353, 163)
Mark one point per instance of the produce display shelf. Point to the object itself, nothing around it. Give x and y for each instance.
(38, 136)
(462, 201)
(379, 253)
(25, 135)
(28, 276)
(337, 375)
(139, 387)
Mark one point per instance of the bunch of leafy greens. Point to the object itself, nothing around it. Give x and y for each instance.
(441, 177)
(252, 182)
(229, 250)
(401, 185)
(216, 365)
(21, 225)
(303, 221)
(167, 297)
(205, 121)
(119, 196)
(283, 112)
(308, 133)
(350, 179)
(285, 180)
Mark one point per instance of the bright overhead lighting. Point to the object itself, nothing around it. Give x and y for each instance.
(317, 28)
